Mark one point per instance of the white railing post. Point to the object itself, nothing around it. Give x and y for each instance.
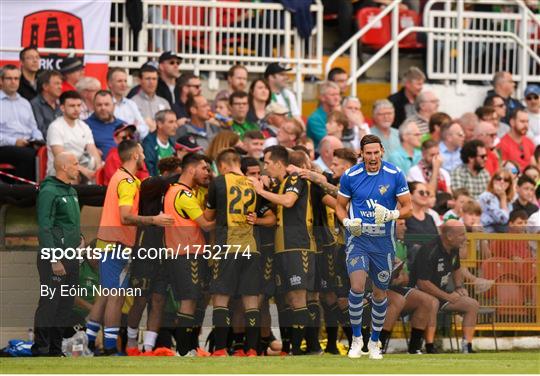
(298, 74)
(394, 62)
(523, 58)
(446, 55)
(213, 82)
(459, 67)
(354, 67)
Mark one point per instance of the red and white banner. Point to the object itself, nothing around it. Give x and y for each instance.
(78, 24)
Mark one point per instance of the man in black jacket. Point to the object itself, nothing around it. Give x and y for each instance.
(403, 100)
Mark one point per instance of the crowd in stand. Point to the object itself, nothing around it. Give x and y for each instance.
(481, 169)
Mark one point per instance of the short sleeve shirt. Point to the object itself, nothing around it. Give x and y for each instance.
(127, 189)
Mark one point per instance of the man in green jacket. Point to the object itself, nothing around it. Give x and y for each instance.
(59, 227)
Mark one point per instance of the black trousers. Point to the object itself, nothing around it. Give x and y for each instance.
(23, 159)
(53, 313)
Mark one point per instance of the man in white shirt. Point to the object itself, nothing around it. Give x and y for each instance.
(326, 152)
(147, 100)
(69, 133)
(278, 80)
(429, 171)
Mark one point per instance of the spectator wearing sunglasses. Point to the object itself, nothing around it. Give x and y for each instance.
(515, 145)
(504, 85)
(421, 227)
(487, 133)
(532, 101)
(495, 202)
(494, 110)
(471, 174)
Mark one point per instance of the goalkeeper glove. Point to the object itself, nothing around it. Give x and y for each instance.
(383, 215)
(354, 225)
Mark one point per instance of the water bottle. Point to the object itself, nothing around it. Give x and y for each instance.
(77, 344)
(31, 335)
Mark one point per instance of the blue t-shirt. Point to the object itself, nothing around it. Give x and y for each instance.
(103, 133)
(365, 189)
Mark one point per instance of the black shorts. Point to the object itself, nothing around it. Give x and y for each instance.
(149, 275)
(295, 270)
(268, 274)
(241, 276)
(342, 284)
(404, 291)
(326, 269)
(186, 276)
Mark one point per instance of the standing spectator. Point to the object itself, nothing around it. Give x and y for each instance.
(340, 77)
(488, 113)
(160, 143)
(190, 85)
(258, 99)
(72, 69)
(46, 106)
(383, 118)
(87, 87)
(495, 202)
(278, 81)
(326, 152)
(403, 100)
(472, 174)
(239, 109)
(124, 108)
(30, 63)
(429, 170)
(407, 155)
(532, 100)
(237, 80)
(420, 228)
(276, 115)
(18, 126)
(486, 132)
(436, 121)
(59, 221)
(425, 105)
(198, 126)
(254, 144)
(499, 105)
(504, 85)
(516, 146)
(103, 122)
(169, 72)
(526, 199)
(357, 126)
(329, 100)
(452, 138)
(469, 123)
(70, 133)
(147, 100)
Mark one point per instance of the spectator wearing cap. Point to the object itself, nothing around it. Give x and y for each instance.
(504, 85)
(253, 144)
(515, 145)
(113, 162)
(403, 100)
(383, 117)
(429, 170)
(237, 80)
(103, 122)
(329, 99)
(186, 144)
(340, 77)
(30, 62)
(326, 152)
(487, 133)
(239, 109)
(407, 155)
(198, 125)
(70, 133)
(160, 143)
(258, 99)
(18, 126)
(169, 72)
(471, 174)
(425, 105)
(275, 116)
(190, 85)
(147, 100)
(452, 138)
(124, 108)
(278, 80)
(532, 101)
(88, 87)
(72, 69)
(46, 105)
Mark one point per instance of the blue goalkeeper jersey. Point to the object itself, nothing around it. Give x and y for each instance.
(365, 189)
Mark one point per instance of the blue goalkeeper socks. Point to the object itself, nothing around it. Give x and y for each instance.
(378, 314)
(356, 307)
(111, 335)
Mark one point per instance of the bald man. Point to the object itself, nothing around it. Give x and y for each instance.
(486, 132)
(59, 227)
(436, 270)
(326, 152)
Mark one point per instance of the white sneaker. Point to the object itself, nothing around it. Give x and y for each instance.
(374, 350)
(356, 348)
(189, 354)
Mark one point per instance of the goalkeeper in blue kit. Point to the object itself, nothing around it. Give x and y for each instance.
(367, 204)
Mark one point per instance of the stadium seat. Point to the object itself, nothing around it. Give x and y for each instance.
(100, 179)
(496, 267)
(41, 164)
(409, 18)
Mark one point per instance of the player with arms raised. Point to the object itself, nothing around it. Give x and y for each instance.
(367, 204)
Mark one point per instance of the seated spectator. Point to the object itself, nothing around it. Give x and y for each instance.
(189, 85)
(489, 113)
(102, 122)
(515, 145)
(337, 123)
(160, 143)
(421, 227)
(504, 85)
(326, 152)
(72, 69)
(309, 145)
(186, 144)
(237, 80)
(486, 132)
(514, 250)
(46, 105)
(278, 80)
(340, 77)
(471, 174)
(407, 155)
(403, 101)
(276, 114)
(287, 135)
(512, 167)
(30, 65)
(18, 126)
(468, 122)
(436, 121)
(253, 144)
(113, 162)
(526, 199)
(223, 113)
(329, 100)
(495, 202)
(170, 166)
(223, 140)
(198, 126)
(452, 138)
(87, 87)
(460, 196)
(532, 100)
(436, 266)
(357, 126)
(471, 214)
(429, 170)
(425, 105)
(124, 108)
(533, 172)
(69, 133)
(147, 100)
(258, 99)
(383, 116)
(239, 109)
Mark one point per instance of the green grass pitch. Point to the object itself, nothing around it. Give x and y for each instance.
(489, 362)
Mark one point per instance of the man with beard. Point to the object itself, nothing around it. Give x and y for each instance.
(487, 133)
(515, 145)
(472, 174)
(429, 170)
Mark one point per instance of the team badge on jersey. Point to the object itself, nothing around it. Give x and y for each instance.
(383, 276)
(383, 189)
